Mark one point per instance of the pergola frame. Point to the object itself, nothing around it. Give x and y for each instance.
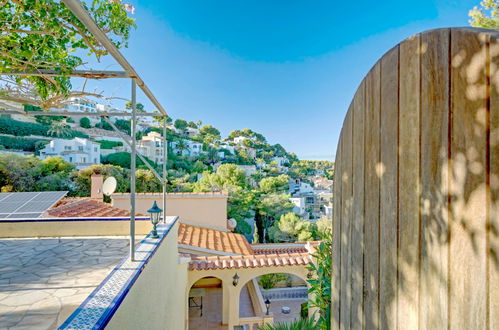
(129, 73)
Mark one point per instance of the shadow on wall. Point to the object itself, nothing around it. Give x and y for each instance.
(416, 207)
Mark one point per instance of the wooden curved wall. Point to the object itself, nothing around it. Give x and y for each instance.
(416, 195)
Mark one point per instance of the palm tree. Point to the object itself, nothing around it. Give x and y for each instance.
(59, 129)
(181, 146)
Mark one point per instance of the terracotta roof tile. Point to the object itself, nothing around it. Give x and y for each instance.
(212, 239)
(249, 261)
(279, 248)
(84, 208)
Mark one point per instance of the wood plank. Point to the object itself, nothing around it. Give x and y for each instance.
(467, 254)
(434, 179)
(336, 283)
(409, 184)
(356, 317)
(346, 220)
(493, 255)
(388, 189)
(371, 207)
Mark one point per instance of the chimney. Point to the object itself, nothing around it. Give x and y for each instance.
(96, 180)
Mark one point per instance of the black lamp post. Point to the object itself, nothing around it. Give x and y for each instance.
(235, 280)
(267, 305)
(154, 213)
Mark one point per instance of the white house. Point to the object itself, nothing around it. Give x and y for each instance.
(152, 147)
(239, 139)
(281, 161)
(79, 152)
(192, 148)
(300, 206)
(298, 187)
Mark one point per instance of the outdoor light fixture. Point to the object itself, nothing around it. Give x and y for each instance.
(235, 280)
(267, 305)
(309, 275)
(154, 213)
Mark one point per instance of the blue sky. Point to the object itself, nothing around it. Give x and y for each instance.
(286, 69)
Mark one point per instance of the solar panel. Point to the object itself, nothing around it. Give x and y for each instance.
(28, 204)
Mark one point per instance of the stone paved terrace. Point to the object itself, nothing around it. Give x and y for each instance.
(42, 281)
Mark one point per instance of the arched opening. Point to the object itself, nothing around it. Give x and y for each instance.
(286, 293)
(205, 303)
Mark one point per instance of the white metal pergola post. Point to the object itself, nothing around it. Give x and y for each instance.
(132, 174)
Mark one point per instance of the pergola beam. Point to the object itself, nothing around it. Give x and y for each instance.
(80, 114)
(81, 13)
(92, 74)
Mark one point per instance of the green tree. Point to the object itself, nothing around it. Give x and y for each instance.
(180, 124)
(138, 106)
(192, 124)
(146, 181)
(47, 35)
(20, 173)
(124, 125)
(274, 184)
(85, 122)
(81, 178)
(290, 228)
(209, 130)
(486, 16)
(324, 227)
(270, 208)
(182, 146)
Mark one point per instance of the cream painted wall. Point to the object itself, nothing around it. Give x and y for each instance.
(156, 300)
(81, 227)
(207, 210)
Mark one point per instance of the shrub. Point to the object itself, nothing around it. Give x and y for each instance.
(20, 128)
(109, 144)
(85, 122)
(299, 324)
(122, 159)
(18, 143)
(269, 281)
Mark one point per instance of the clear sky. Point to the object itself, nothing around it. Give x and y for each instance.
(286, 69)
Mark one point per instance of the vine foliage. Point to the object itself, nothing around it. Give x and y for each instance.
(45, 35)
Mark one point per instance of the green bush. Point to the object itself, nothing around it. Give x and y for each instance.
(85, 122)
(18, 143)
(109, 144)
(104, 125)
(269, 281)
(122, 159)
(20, 128)
(300, 324)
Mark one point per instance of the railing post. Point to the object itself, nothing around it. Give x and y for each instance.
(165, 159)
(132, 170)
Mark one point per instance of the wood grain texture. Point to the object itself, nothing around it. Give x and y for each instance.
(346, 221)
(467, 254)
(409, 191)
(423, 143)
(336, 282)
(434, 179)
(493, 253)
(358, 209)
(371, 207)
(388, 189)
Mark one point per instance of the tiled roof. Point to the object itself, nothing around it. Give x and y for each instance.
(278, 248)
(84, 208)
(253, 261)
(212, 239)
